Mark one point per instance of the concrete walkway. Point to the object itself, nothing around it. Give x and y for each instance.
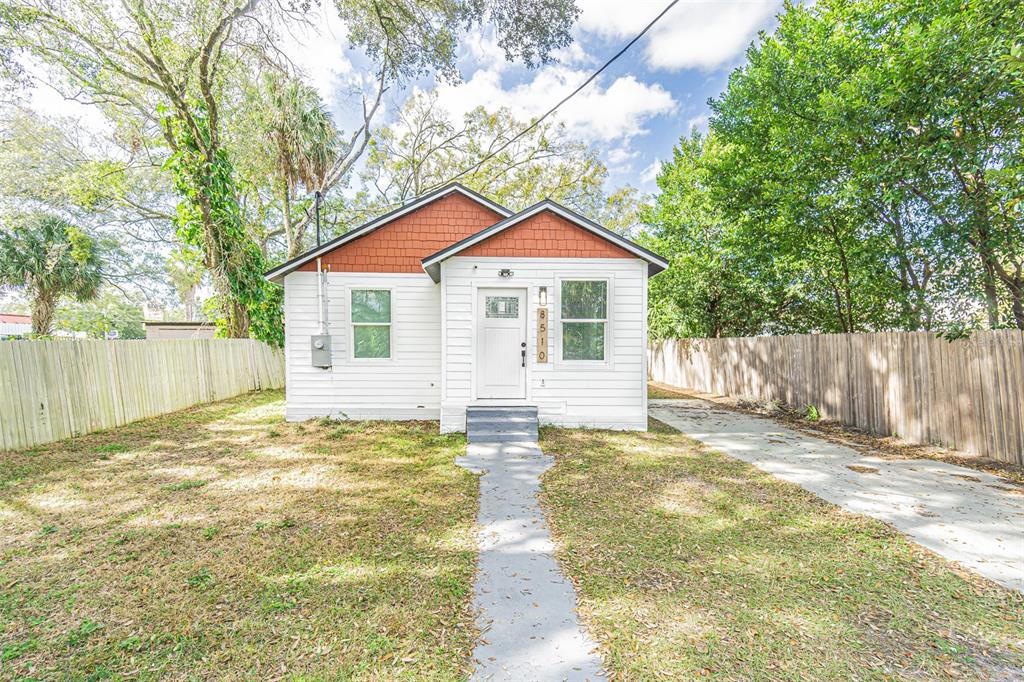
(526, 608)
(964, 515)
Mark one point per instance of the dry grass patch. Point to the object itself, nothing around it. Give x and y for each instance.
(690, 564)
(221, 542)
(664, 392)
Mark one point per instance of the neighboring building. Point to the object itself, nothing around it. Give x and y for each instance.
(179, 330)
(443, 303)
(153, 311)
(15, 324)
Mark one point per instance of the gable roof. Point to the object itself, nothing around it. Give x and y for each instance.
(277, 274)
(432, 263)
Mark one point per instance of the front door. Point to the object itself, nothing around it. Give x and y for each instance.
(501, 344)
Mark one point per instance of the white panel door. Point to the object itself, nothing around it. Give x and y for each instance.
(501, 344)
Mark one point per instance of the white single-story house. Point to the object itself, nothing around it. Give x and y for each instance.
(452, 301)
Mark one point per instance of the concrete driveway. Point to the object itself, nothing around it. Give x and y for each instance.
(964, 515)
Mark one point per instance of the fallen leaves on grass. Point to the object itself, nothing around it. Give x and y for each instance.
(225, 543)
(690, 564)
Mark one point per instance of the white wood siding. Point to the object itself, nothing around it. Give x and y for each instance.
(408, 386)
(611, 394)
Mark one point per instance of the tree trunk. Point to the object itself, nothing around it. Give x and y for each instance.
(189, 299)
(845, 308)
(988, 284)
(43, 305)
(1015, 286)
(1018, 310)
(914, 289)
(217, 263)
(293, 240)
(238, 321)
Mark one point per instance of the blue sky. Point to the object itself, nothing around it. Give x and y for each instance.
(632, 115)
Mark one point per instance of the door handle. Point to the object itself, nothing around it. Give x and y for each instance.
(524, 357)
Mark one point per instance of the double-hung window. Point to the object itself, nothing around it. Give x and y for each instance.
(584, 318)
(371, 323)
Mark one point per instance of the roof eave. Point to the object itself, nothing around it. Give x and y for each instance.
(276, 275)
(655, 262)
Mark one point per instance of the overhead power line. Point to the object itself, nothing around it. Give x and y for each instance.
(565, 99)
(552, 110)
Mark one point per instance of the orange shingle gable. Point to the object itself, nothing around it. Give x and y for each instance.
(546, 235)
(400, 245)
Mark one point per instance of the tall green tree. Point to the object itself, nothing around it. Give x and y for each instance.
(863, 168)
(425, 147)
(174, 69)
(50, 259)
(718, 283)
(895, 125)
(55, 164)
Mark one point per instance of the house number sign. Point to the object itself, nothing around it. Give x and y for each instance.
(542, 334)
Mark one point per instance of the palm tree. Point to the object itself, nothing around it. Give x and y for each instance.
(49, 258)
(306, 145)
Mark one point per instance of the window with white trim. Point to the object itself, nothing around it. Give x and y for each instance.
(584, 318)
(371, 323)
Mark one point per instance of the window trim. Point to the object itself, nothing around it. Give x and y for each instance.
(607, 321)
(352, 324)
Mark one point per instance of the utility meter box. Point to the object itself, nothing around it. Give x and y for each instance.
(321, 350)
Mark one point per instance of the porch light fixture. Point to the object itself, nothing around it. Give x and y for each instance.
(505, 272)
(542, 295)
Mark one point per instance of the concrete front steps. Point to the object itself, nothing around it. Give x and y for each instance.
(501, 424)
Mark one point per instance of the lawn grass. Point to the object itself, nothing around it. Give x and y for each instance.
(221, 542)
(692, 565)
(663, 392)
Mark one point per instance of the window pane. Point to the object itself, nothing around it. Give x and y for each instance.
(371, 305)
(584, 300)
(372, 341)
(503, 306)
(583, 341)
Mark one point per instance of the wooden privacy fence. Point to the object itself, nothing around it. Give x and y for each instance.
(51, 390)
(964, 394)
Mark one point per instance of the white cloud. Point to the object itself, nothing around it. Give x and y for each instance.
(573, 54)
(698, 123)
(320, 51)
(650, 174)
(616, 112)
(621, 155)
(695, 34)
(484, 49)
